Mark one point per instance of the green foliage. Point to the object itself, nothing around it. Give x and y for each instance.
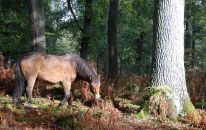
(61, 34)
(22, 119)
(195, 16)
(98, 44)
(134, 20)
(201, 104)
(14, 32)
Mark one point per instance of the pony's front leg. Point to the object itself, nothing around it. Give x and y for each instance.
(67, 89)
(29, 89)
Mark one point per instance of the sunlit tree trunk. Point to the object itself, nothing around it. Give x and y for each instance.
(37, 26)
(112, 39)
(168, 58)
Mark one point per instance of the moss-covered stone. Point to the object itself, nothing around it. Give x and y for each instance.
(126, 105)
(159, 102)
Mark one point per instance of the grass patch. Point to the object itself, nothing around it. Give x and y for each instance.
(22, 119)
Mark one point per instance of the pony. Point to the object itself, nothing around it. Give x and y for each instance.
(54, 69)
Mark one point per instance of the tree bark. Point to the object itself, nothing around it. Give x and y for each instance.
(37, 26)
(168, 55)
(112, 39)
(87, 29)
(188, 43)
(189, 38)
(193, 59)
(139, 51)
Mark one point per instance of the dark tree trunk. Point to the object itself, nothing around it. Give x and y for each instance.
(37, 26)
(168, 58)
(139, 51)
(112, 39)
(100, 59)
(188, 43)
(87, 28)
(188, 35)
(193, 59)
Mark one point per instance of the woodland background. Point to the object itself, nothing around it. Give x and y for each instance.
(134, 37)
(134, 32)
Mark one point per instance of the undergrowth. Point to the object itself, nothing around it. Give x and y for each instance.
(119, 110)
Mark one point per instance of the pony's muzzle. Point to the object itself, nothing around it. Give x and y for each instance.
(97, 96)
(97, 99)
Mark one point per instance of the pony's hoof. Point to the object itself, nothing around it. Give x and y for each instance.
(60, 105)
(29, 101)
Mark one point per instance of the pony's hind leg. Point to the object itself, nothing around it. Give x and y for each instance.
(29, 88)
(67, 88)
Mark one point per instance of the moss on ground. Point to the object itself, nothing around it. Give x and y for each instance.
(126, 105)
(105, 116)
(188, 107)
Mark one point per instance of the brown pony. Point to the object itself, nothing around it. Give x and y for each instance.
(54, 69)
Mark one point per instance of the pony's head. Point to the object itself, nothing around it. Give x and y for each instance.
(88, 73)
(95, 83)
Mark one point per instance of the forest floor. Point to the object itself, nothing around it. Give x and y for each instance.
(119, 114)
(44, 114)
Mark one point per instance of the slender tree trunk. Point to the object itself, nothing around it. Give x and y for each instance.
(189, 35)
(193, 59)
(100, 59)
(188, 43)
(112, 39)
(87, 29)
(139, 51)
(168, 58)
(37, 26)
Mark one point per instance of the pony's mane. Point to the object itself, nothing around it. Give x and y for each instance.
(84, 70)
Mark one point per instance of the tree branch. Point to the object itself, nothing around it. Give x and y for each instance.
(73, 14)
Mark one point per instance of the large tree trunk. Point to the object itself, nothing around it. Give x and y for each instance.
(37, 26)
(168, 58)
(112, 39)
(86, 32)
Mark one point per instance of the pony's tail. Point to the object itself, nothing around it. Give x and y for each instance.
(20, 83)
